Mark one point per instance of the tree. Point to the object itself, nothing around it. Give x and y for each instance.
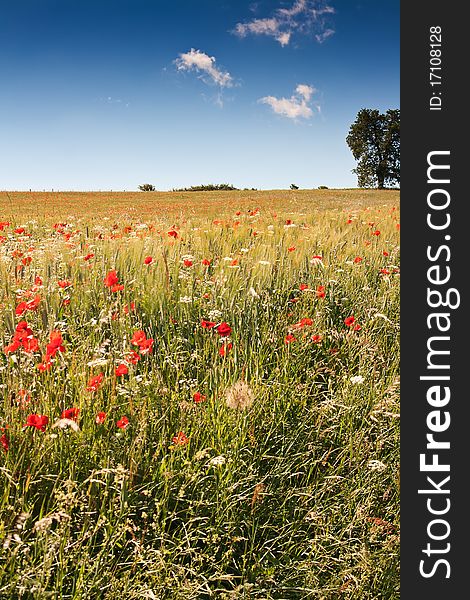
(374, 140)
(147, 187)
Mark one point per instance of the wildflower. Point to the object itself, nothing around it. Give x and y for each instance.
(44, 366)
(188, 263)
(224, 329)
(316, 339)
(320, 291)
(64, 283)
(303, 287)
(239, 396)
(88, 256)
(148, 260)
(4, 441)
(291, 249)
(121, 370)
(37, 421)
(206, 262)
(173, 234)
(100, 418)
(70, 413)
(376, 232)
(207, 324)
(225, 348)
(349, 321)
(118, 287)
(23, 398)
(65, 422)
(357, 260)
(217, 461)
(132, 357)
(357, 379)
(146, 346)
(198, 397)
(180, 439)
(122, 423)
(289, 339)
(138, 338)
(316, 260)
(95, 382)
(55, 345)
(111, 279)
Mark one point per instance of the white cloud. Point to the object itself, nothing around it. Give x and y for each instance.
(298, 106)
(308, 17)
(204, 64)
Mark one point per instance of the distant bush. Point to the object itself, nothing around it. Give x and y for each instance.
(147, 187)
(323, 187)
(293, 186)
(210, 187)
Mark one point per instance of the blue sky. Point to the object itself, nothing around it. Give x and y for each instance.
(109, 94)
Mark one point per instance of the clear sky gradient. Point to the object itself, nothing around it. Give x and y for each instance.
(108, 94)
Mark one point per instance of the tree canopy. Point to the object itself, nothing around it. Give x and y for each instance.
(374, 140)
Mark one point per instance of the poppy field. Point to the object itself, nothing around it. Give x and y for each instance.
(200, 395)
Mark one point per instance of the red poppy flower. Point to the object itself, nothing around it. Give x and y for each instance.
(100, 418)
(303, 286)
(206, 262)
(291, 249)
(37, 421)
(385, 271)
(224, 329)
(55, 345)
(148, 260)
(95, 382)
(316, 339)
(121, 370)
(118, 287)
(129, 308)
(376, 232)
(111, 279)
(37, 281)
(225, 349)
(385, 253)
(45, 366)
(132, 357)
(64, 284)
(26, 261)
(349, 221)
(321, 291)
(146, 346)
(358, 259)
(30, 344)
(138, 337)
(88, 256)
(198, 397)
(289, 339)
(188, 263)
(173, 234)
(23, 398)
(70, 413)
(235, 261)
(207, 324)
(349, 321)
(20, 230)
(4, 441)
(181, 439)
(122, 423)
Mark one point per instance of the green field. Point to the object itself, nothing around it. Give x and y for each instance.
(220, 377)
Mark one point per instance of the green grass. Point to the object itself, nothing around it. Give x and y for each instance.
(294, 495)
